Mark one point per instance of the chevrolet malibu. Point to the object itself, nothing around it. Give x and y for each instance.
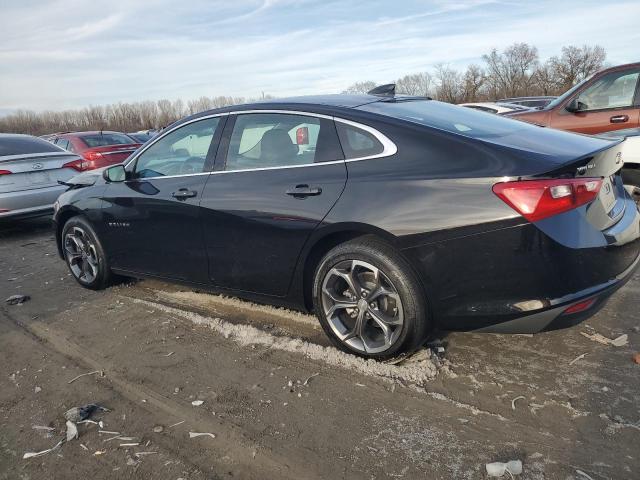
(387, 216)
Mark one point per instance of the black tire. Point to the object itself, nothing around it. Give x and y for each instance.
(416, 324)
(95, 252)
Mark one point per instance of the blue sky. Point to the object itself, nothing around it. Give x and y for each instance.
(72, 53)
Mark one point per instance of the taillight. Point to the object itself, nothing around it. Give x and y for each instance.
(80, 165)
(538, 199)
(5, 172)
(91, 156)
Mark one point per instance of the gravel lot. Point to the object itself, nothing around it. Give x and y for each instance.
(280, 401)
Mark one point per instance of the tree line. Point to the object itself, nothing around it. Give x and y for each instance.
(515, 71)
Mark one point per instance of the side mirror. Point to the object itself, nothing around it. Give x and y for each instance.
(116, 173)
(575, 105)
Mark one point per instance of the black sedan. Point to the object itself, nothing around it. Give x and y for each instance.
(387, 216)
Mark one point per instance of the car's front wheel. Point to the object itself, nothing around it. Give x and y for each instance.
(369, 301)
(84, 254)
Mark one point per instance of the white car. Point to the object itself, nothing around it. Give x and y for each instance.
(495, 107)
(630, 153)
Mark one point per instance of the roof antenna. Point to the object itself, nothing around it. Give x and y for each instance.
(388, 90)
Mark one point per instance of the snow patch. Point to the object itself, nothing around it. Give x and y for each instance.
(418, 373)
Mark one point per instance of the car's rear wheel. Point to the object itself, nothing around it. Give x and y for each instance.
(84, 254)
(369, 301)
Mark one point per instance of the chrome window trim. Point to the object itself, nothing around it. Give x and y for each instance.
(389, 148)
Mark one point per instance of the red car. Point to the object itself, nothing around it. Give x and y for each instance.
(97, 149)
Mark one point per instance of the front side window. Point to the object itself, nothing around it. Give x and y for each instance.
(614, 90)
(181, 152)
(266, 140)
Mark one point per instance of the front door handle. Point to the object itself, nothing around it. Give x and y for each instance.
(619, 119)
(184, 193)
(303, 191)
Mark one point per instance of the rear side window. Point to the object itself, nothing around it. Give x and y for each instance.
(63, 143)
(24, 144)
(106, 139)
(267, 140)
(357, 143)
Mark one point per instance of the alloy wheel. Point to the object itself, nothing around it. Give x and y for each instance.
(362, 306)
(81, 255)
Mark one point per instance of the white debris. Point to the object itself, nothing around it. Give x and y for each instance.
(498, 469)
(72, 431)
(43, 452)
(620, 341)
(201, 434)
(197, 403)
(579, 357)
(513, 402)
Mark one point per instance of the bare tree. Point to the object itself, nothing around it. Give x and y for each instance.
(418, 84)
(576, 63)
(448, 84)
(511, 73)
(361, 87)
(473, 82)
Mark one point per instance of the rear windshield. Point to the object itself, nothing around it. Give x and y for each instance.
(24, 144)
(451, 118)
(106, 139)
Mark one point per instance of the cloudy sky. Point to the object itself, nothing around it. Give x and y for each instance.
(62, 54)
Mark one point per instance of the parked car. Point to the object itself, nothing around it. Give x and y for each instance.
(142, 136)
(532, 102)
(493, 107)
(387, 216)
(99, 148)
(630, 153)
(608, 100)
(30, 169)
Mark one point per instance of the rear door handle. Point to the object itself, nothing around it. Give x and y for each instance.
(619, 119)
(184, 193)
(303, 191)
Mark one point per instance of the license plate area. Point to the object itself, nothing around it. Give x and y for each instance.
(608, 194)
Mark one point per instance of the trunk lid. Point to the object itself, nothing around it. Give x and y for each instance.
(33, 171)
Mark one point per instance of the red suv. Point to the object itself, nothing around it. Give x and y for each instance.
(608, 100)
(97, 149)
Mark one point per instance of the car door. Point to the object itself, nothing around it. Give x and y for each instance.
(276, 179)
(152, 220)
(610, 102)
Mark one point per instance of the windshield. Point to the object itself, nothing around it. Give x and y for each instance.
(567, 94)
(451, 118)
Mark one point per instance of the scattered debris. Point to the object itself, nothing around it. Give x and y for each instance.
(201, 434)
(580, 472)
(84, 447)
(17, 299)
(616, 342)
(197, 403)
(498, 469)
(513, 402)
(99, 452)
(76, 414)
(108, 432)
(37, 389)
(176, 424)
(100, 372)
(636, 358)
(168, 355)
(306, 382)
(158, 429)
(118, 437)
(360, 385)
(141, 454)
(43, 452)
(579, 357)
(72, 431)
(133, 444)
(41, 427)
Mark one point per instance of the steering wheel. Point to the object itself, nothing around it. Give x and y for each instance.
(192, 165)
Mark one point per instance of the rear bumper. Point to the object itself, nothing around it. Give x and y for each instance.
(29, 202)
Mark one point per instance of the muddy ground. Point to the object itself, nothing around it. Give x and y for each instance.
(280, 401)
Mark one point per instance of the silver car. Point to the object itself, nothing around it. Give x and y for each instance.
(30, 169)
